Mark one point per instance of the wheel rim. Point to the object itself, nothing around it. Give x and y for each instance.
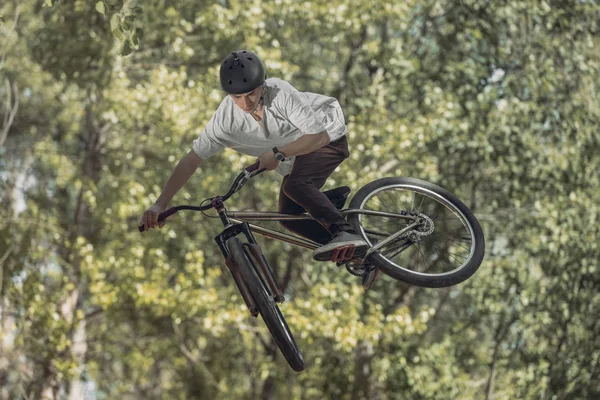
(450, 246)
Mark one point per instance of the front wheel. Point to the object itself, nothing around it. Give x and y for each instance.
(267, 307)
(442, 243)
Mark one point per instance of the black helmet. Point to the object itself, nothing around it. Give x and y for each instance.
(242, 72)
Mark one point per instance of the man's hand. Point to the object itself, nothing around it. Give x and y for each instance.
(267, 160)
(150, 218)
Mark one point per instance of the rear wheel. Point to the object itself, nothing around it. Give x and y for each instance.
(267, 307)
(445, 245)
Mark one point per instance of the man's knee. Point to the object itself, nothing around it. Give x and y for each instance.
(294, 186)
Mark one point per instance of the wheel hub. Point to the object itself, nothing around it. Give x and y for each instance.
(424, 228)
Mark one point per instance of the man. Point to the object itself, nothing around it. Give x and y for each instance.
(300, 135)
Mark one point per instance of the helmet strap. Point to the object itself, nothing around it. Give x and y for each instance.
(262, 96)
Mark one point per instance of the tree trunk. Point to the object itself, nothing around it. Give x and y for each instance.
(489, 387)
(362, 370)
(362, 363)
(7, 325)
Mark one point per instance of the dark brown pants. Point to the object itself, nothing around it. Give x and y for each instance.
(300, 192)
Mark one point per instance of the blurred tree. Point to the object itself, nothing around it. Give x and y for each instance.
(495, 101)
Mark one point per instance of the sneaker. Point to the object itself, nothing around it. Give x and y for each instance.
(344, 245)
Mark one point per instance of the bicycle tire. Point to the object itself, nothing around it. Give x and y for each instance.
(434, 193)
(267, 307)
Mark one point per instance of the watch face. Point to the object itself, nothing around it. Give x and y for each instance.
(279, 157)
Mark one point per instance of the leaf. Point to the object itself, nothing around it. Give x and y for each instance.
(126, 49)
(114, 23)
(100, 7)
(136, 37)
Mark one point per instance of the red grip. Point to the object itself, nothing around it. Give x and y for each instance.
(252, 167)
(161, 217)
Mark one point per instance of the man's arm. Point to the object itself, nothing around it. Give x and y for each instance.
(180, 175)
(305, 144)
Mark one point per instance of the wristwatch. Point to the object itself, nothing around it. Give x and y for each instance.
(279, 156)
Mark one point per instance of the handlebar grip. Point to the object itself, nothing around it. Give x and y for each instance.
(252, 167)
(161, 217)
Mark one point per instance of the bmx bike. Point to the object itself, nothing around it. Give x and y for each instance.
(417, 232)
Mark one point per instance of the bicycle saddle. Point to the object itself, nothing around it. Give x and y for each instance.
(338, 196)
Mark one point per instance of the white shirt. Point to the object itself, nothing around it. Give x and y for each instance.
(287, 115)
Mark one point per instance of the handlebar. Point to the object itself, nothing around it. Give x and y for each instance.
(248, 172)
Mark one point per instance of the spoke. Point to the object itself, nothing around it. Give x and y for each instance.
(400, 250)
(456, 229)
(433, 243)
(378, 202)
(451, 239)
(391, 198)
(398, 205)
(423, 256)
(382, 202)
(460, 228)
(451, 254)
(421, 203)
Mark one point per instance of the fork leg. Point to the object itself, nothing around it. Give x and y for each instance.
(239, 281)
(257, 256)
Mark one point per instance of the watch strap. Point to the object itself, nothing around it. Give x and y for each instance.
(277, 152)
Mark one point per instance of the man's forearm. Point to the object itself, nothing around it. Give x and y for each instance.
(305, 144)
(180, 175)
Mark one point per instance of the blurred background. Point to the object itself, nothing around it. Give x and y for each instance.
(496, 101)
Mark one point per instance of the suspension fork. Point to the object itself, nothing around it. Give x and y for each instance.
(256, 257)
(229, 232)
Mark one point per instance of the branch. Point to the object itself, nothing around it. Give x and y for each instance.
(12, 29)
(294, 255)
(4, 257)
(354, 48)
(193, 359)
(11, 110)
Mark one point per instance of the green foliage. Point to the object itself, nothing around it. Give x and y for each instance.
(497, 102)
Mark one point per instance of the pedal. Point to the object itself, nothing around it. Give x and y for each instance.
(343, 253)
(369, 277)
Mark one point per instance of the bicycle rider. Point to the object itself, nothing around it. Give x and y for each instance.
(300, 135)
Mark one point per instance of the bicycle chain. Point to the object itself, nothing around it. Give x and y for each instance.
(356, 267)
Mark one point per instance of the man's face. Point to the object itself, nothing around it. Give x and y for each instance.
(247, 101)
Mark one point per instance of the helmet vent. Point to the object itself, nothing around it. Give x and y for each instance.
(230, 82)
(245, 80)
(249, 58)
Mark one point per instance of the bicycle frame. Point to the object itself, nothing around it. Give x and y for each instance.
(239, 217)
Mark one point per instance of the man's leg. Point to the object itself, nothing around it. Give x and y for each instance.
(307, 228)
(302, 186)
